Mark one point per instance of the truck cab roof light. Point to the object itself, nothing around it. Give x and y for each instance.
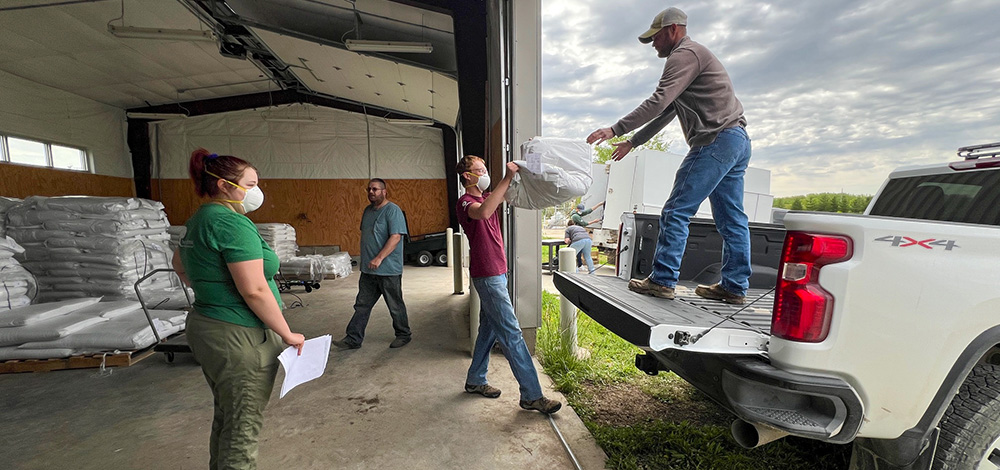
(975, 163)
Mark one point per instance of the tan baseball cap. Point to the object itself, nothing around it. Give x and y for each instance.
(662, 20)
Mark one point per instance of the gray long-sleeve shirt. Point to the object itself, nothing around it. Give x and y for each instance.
(576, 233)
(696, 89)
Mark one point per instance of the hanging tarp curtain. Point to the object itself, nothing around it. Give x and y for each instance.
(326, 144)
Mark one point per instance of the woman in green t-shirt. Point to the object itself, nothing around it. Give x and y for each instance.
(237, 328)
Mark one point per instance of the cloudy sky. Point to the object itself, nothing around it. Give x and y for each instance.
(836, 94)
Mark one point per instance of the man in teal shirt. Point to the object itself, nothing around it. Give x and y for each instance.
(382, 230)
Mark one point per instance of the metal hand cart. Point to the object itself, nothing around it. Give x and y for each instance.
(177, 344)
(285, 284)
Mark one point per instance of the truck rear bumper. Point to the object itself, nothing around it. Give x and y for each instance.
(822, 408)
(728, 367)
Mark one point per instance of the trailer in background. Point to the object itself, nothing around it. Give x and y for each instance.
(641, 182)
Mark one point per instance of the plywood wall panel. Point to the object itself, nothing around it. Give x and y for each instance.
(323, 212)
(22, 181)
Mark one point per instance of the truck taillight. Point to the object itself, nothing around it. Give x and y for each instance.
(802, 308)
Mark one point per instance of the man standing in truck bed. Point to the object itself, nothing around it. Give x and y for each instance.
(696, 89)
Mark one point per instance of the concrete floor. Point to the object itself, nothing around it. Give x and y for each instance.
(374, 408)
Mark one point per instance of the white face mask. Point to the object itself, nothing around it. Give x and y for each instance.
(484, 182)
(253, 200)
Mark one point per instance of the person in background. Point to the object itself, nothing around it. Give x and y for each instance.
(581, 210)
(695, 88)
(236, 329)
(477, 212)
(382, 230)
(578, 239)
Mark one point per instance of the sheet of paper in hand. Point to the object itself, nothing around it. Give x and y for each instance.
(310, 365)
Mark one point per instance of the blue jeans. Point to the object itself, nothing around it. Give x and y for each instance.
(714, 171)
(498, 323)
(583, 249)
(370, 288)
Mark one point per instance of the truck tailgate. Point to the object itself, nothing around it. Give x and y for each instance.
(688, 322)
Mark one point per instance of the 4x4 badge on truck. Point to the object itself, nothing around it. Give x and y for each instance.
(930, 243)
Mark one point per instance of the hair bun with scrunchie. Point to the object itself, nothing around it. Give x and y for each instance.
(212, 156)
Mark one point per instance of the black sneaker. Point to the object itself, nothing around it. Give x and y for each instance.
(485, 390)
(542, 404)
(399, 342)
(346, 344)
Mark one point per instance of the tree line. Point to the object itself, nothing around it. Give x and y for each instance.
(825, 202)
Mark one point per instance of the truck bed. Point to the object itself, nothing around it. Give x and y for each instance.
(634, 316)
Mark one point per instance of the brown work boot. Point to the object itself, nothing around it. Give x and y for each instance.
(645, 286)
(485, 390)
(542, 404)
(716, 292)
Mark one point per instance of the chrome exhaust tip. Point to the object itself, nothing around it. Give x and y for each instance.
(750, 435)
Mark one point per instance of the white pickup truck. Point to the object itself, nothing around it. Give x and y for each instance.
(884, 331)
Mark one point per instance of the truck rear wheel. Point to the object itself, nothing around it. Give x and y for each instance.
(970, 428)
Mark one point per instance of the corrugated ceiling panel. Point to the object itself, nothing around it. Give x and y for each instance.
(59, 71)
(69, 48)
(344, 74)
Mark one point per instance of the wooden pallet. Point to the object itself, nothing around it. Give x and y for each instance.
(89, 361)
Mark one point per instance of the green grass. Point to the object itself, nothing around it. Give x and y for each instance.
(657, 442)
(601, 257)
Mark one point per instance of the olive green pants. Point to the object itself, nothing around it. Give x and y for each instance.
(239, 364)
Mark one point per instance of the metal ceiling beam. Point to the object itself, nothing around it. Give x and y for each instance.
(237, 41)
(268, 99)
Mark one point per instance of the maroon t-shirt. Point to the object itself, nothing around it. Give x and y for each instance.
(486, 255)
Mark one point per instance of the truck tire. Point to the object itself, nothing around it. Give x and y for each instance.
(441, 258)
(424, 258)
(970, 427)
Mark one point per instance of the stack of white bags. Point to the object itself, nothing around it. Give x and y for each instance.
(80, 246)
(302, 268)
(17, 285)
(5, 204)
(316, 267)
(281, 239)
(336, 265)
(81, 326)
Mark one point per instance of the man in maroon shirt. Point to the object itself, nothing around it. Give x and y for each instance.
(477, 212)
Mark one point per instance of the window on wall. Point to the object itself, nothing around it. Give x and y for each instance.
(26, 152)
(68, 157)
(43, 154)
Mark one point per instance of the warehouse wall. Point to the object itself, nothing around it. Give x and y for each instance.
(323, 212)
(313, 174)
(22, 181)
(46, 114)
(39, 112)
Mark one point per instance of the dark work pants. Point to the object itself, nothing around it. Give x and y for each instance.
(370, 288)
